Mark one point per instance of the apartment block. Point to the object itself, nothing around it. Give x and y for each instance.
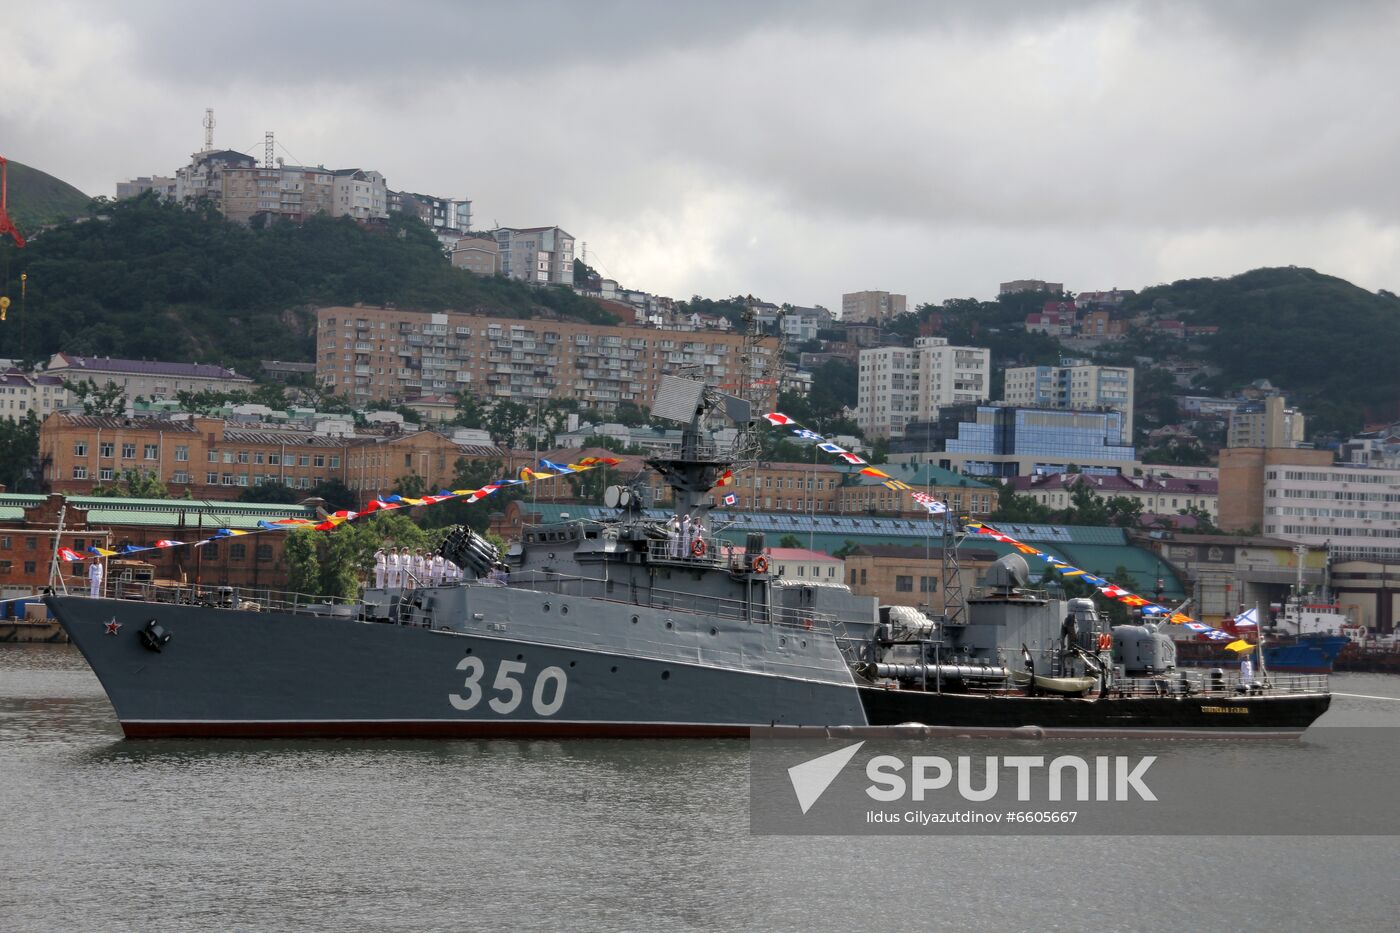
(477, 254)
(1303, 496)
(22, 393)
(1030, 285)
(539, 255)
(203, 176)
(1073, 385)
(1266, 423)
(872, 307)
(149, 379)
(160, 184)
(376, 353)
(290, 192)
(360, 194)
(898, 384)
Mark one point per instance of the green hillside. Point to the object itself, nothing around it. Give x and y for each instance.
(38, 199)
(1331, 344)
(150, 280)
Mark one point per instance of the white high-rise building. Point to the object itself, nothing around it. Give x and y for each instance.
(540, 255)
(360, 193)
(898, 384)
(1074, 384)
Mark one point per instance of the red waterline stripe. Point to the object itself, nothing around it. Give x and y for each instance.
(428, 729)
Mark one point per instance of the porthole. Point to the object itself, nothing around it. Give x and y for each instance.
(614, 670)
(714, 631)
(563, 610)
(635, 620)
(520, 657)
(572, 663)
(546, 607)
(669, 624)
(665, 675)
(469, 651)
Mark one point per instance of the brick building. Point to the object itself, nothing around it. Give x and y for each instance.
(211, 459)
(377, 353)
(909, 575)
(30, 523)
(795, 488)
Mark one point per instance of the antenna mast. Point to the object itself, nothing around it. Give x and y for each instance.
(208, 129)
(269, 158)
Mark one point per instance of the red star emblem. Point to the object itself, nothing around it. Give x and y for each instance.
(112, 626)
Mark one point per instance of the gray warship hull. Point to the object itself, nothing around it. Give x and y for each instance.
(633, 626)
(623, 671)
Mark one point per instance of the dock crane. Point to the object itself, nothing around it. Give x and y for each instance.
(6, 224)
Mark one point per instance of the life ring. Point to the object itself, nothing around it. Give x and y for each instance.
(760, 564)
(697, 547)
(1105, 641)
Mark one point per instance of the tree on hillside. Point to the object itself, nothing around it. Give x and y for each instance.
(472, 474)
(272, 493)
(505, 421)
(157, 280)
(19, 453)
(134, 484)
(1014, 508)
(470, 412)
(108, 400)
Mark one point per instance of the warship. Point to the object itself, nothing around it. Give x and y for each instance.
(634, 626)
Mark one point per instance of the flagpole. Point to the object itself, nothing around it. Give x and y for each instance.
(1259, 646)
(55, 577)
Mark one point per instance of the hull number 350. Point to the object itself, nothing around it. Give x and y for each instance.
(546, 697)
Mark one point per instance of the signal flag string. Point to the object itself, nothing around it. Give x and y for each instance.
(338, 518)
(1146, 607)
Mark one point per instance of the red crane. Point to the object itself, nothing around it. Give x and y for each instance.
(6, 224)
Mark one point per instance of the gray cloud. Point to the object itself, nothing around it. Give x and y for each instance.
(793, 150)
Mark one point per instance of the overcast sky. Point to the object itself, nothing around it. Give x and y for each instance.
(789, 150)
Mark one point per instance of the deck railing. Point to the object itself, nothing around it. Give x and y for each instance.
(1224, 685)
(670, 600)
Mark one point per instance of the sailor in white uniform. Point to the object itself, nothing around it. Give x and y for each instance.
(381, 568)
(95, 578)
(438, 571)
(395, 572)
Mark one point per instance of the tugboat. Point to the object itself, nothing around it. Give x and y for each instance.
(637, 627)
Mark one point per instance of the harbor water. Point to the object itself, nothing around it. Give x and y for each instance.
(100, 833)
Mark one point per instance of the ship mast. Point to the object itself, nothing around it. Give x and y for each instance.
(700, 463)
